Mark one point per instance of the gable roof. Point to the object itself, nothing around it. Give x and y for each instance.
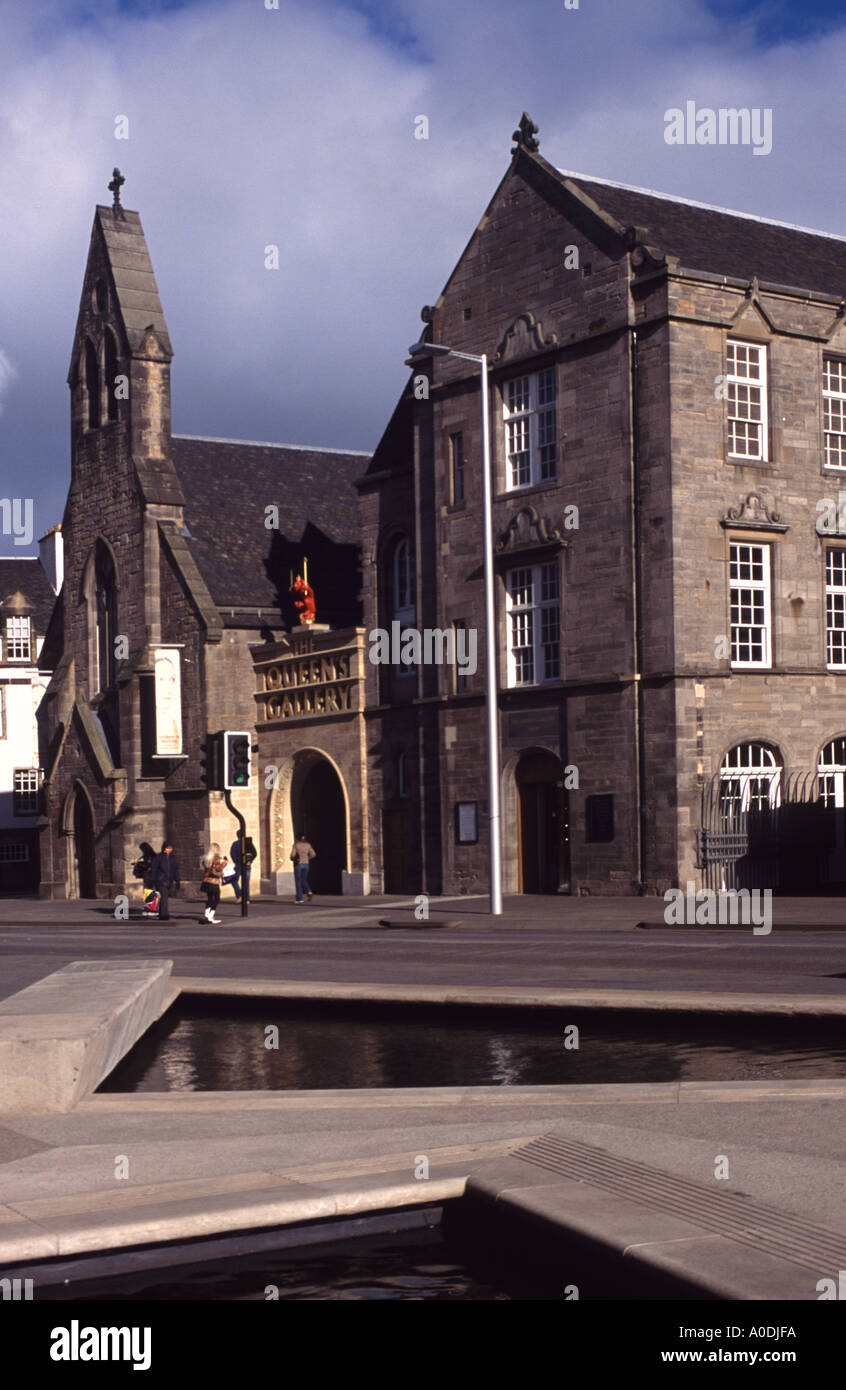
(132, 271)
(719, 240)
(24, 575)
(229, 483)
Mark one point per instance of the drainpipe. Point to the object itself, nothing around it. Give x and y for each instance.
(640, 762)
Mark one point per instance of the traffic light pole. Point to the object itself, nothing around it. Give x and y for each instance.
(242, 840)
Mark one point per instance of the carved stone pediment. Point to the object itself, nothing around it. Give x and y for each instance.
(527, 531)
(754, 514)
(522, 336)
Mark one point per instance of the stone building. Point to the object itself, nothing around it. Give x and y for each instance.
(668, 416)
(668, 431)
(178, 558)
(28, 587)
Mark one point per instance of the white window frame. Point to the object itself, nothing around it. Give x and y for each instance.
(749, 773)
(746, 394)
(835, 608)
(834, 404)
(18, 634)
(749, 588)
(830, 772)
(532, 620)
(529, 412)
(25, 786)
(2, 712)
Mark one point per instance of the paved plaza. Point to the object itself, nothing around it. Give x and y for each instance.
(224, 1163)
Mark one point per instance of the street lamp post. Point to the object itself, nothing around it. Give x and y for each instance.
(420, 349)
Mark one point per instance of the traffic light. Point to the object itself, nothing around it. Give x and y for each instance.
(212, 763)
(236, 760)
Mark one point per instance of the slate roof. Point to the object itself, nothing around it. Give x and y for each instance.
(132, 269)
(228, 483)
(26, 576)
(724, 242)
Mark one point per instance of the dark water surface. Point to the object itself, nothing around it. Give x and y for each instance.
(207, 1045)
(411, 1265)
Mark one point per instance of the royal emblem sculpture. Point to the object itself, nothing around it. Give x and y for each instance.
(303, 596)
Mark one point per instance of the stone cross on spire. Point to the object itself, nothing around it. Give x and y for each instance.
(114, 189)
(525, 134)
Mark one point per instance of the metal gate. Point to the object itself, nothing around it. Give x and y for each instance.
(782, 832)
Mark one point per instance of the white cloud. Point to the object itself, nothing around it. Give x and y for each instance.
(296, 127)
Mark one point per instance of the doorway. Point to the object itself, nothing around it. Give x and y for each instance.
(82, 872)
(322, 819)
(543, 830)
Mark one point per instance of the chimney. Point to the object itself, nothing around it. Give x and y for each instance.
(52, 556)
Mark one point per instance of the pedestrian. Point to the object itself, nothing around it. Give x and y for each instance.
(302, 855)
(214, 864)
(241, 880)
(141, 869)
(164, 875)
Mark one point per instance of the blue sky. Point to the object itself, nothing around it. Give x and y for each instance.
(296, 127)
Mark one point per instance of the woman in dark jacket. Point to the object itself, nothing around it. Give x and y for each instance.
(164, 875)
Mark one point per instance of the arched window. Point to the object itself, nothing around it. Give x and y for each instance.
(400, 598)
(402, 595)
(832, 772)
(402, 774)
(111, 371)
(105, 591)
(750, 780)
(92, 384)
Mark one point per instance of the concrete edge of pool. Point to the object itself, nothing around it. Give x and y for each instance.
(664, 1001)
(63, 1200)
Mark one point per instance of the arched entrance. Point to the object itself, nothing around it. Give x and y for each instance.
(78, 827)
(543, 833)
(309, 796)
(322, 820)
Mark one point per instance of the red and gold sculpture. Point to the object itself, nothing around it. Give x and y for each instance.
(303, 596)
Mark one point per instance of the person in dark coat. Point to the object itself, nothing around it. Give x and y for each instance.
(242, 874)
(165, 875)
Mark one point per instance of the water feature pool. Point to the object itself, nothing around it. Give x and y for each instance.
(214, 1044)
(406, 1265)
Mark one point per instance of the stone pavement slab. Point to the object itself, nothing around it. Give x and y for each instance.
(61, 1036)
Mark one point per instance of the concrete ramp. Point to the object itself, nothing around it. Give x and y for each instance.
(60, 1037)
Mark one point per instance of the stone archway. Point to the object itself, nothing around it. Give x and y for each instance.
(310, 796)
(536, 823)
(77, 828)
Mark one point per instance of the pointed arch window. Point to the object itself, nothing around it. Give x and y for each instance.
(92, 384)
(402, 600)
(111, 371)
(105, 591)
(397, 587)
